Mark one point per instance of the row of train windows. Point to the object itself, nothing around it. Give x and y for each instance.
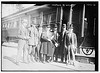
(46, 19)
(10, 25)
(34, 20)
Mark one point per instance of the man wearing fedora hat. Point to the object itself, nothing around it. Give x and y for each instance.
(63, 44)
(55, 41)
(44, 41)
(72, 45)
(50, 44)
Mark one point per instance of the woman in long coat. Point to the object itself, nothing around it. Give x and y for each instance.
(50, 44)
(39, 43)
(44, 44)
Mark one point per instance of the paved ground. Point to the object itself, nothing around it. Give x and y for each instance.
(9, 51)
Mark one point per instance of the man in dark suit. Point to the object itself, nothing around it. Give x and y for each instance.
(63, 44)
(56, 52)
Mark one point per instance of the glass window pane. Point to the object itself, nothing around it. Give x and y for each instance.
(53, 17)
(45, 19)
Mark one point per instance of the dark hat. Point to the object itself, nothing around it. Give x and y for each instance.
(71, 26)
(39, 25)
(54, 25)
(64, 25)
(48, 26)
(44, 25)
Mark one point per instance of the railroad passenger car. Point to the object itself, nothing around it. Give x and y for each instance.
(83, 16)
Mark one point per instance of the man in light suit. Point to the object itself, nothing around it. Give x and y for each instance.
(72, 45)
(32, 42)
(23, 42)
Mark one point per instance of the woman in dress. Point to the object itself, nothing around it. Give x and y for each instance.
(51, 43)
(44, 44)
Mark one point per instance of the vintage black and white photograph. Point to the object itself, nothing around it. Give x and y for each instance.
(49, 36)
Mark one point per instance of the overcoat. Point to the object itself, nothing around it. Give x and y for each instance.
(50, 44)
(72, 41)
(64, 43)
(32, 36)
(44, 43)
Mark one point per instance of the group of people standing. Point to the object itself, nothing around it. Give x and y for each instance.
(68, 45)
(35, 43)
(40, 43)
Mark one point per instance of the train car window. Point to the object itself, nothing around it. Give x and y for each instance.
(3, 26)
(33, 20)
(49, 18)
(85, 27)
(15, 24)
(53, 17)
(38, 20)
(6, 25)
(45, 18)
(10, 25)
(94, 26)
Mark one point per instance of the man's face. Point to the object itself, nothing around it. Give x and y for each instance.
(48, 28)
(70, 30)
(40, 28)
(24, 22)
(56, 29)
(64, 28)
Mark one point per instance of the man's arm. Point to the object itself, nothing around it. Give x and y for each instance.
(66, 40)
(75, 39)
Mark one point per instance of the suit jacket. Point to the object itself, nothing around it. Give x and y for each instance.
(72, 40)
(44, 37)
(23, 33)
(44, 42)
(55, 40)
(64, 41)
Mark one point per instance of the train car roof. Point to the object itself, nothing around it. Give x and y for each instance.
(32, 8)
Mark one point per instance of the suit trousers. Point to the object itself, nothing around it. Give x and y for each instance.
(22, 47)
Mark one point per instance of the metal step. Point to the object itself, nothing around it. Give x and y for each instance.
(81, 57)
